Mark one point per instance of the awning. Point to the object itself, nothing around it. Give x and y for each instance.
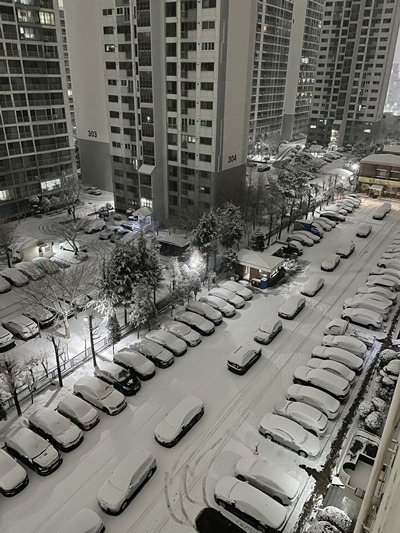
(376, 187)
(146, 169)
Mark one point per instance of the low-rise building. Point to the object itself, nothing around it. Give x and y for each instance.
(381, 173)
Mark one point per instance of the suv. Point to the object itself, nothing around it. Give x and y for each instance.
(122, 380)
(243, 358)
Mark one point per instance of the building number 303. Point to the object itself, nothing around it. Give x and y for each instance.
(231, 158)
(92, 133)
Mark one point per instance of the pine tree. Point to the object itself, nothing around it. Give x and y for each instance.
(231, 224)
(142, 308)
(206, 235)
(229, 261)
(257, 241)
(114, 329)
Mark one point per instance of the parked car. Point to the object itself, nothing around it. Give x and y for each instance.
(118, 234)
(85, 521)
(117, 376)
(332, 223)
(352, 361)
(346, 343)
(93, 191)
(330, 262)
(290, 434)
(154, 352)
(78, 411)
(268, 331)
(45, 264)
(130, 475)
(377, 271)
(390, 277)
(343, 206)
(364, 230)
(381, 281)
(220, 305)
(386, 206)
(52, 426)
(21, 326)
(6, 339)
(4, 285)
(308, 235)
(379, 214)
(292, 307)
(100, 394)
(322, 379)
(179, 421)
(361, 301)
(205, 310)
(168, 340)
(243, 358)
(136, 363)
(13, 477)
(303, 239)
(270, 479)
(14, 277)
(32, 450)
(339, 369)
(354, 200)
(332, 215)
(337, 209)
(106, 233)
(389, 263)
(182, 331)
(345, 249)
(229, 296)
(96, 225)
(30, 270)
(250, 504)
(324, 224)
(67, 246)
(371, 292)
(195, 321)
(364, 317)
(393, 249)
(319, 399)
(39, 314)
(238, 288)
(395, 256)
(312, 286)
(307, 416)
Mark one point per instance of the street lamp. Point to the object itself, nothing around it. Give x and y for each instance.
(89, 321)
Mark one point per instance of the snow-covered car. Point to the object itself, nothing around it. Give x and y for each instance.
(332, 215)
(179, 421)
(379, 214)
(391, 255)
(136, 363)
(106, 234)
(386, 272)
(32, 450)
(13, 477)
(168, 340)
(86, 521)
(45, 264)
(364, 230)
(30, 270)
(309, 417)
(100, 394)
(268, 331)
(362, 301)
(322, 379)
(290, 434)
(305, 241)
(308, 235)
(129, 476)
(345, 249)
(346, 343)
(243, 358)
(119, 233)
(389, 277)
(348, 207)
(268, 478)
(6, 339)
(238, 288)
(292, 307)
(117, 376)
(326, 220)
(339, 369)
(229, 296)
(386, 206)
(392, 369)
(319, 399)
(4, 285)
(195, 321)
(56, 428)
(381, 281)
(250, 504)
(21, 326)
(330, 262)
(94, 191)
(393, 249)
(39, 314)
(182, 331)
(380, 291)
(339, 355)
(354, 200)
(389, 263)
(363, 317)
(14, 277)
(220, 305)
(95, 225)
(205, 310)
(67, 246)
(312, 286)
(154, 352)
(78, 411)
(323, 224)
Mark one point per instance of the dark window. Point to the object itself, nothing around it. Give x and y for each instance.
(206, 140)
(206, 105)
(205, 157)
(112, 98)
(171, 69)
(108, 30)
(208, 3)
(170, 9)
(207, 86)
(110, 65)
(207, 66)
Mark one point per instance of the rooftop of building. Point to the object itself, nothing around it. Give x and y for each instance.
(382, 159)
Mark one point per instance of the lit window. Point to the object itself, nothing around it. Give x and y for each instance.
(46, 18)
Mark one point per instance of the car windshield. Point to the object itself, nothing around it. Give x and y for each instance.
(106, 391)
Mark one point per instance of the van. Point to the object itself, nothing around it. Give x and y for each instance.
(243, 358)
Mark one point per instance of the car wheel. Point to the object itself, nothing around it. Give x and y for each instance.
(240, 478)
(302, 453)
(151, 473)
(123, 506)
(261, 528)
(268, 436)
(79, 395)
(370, 326)
(277, 499)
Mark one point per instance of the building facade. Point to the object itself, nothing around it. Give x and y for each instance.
(35, 131)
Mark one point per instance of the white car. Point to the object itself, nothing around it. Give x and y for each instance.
(78, 411)
(4, 285)
(268, 478)
(100, 394)
(326, 220)
(380, 291)
(120, 378)
(381, 281)
(339, 355)
(330, 262)
(389, 263)
(339, 369)
(346, 343)
(309, 417)
(86, 521)
(332, 215)
(13, 477)
(45, 264)
(130, 475)
(39, 314)
(324, 224)
(308, 235)
(394, 248)
(322, 379)
(195, 321)
(14, 276)
(319, 399)
(154, 352)
(364, 317)
(179, 421)
(30, 270)
(243, 358)
(32, 450)
(21, 326)
(377, 271)
(292, 307)
(300, 238)
(168, 340)
(182, 331)
(136, 363)
(229, 296)
(347, 208)
(364, 230)
(391, 255)
(67, 246)
(362, 301)
(250, 504)
(55, 428)
(205, 310)
(268, 331)
(346, 249)
(96, 225)
(6, 339)
(312, 286)
(238, 288)
(290, 434)
(220, 305)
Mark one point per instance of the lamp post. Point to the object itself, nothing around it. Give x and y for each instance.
(89, 321)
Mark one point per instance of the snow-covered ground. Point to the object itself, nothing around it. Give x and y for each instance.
(234, 406)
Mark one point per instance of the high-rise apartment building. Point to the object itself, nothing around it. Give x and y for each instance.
(356, 52)
(35, 133)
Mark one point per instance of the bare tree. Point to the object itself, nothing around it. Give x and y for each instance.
(68, 230)
(13, 373)
(7, 235)
(72, 189)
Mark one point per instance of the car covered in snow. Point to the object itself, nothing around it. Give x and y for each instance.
(267, 331)
(309, 417)
(238, 288)
(363, 317)
(39, 314)
(154, 352)
(345, 249)
(78, 411)
(227, 309)
(319, 399)
(21, 326)
(205, 310)
(14, 277)
(56, 428)
(45, 264)
(339, 355)
(378, 291)
(95, 225)
(339, 369)
(4, 285)
(332, 215)
(312, 286)
(182, 331)
(315, 238)
(168, 340)
(85, 521)
(179, 421)
(364, 230)
(6, 339)
(13, 477)
(299, 237)
(322, 379)
(30, 270)
(379, 214)
(330, 262)
(195, 321)
(243, 358)
(346, 343)
(135, 362)
(229, 296)
(326, 220)
(292, 307)
(364, 301)
(389, 263)
(381, 281)
(100, 394)
(323, 224)
(117, 376)
(377, 271)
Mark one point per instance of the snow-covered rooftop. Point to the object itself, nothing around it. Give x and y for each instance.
(260, 260)
(384, 159)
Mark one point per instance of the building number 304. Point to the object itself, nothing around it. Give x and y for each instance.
(231, 158)
(92, 133)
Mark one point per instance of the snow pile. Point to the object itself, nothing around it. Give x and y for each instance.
(335, 517)
(323, 527)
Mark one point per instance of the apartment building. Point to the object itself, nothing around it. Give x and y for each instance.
(35, 129)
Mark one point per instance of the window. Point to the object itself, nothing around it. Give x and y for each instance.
(112, 82)
(172, 122)
(171, 50)
(208, 24)
(207, 46)
(208, 3)
(114, 114)
(109, 47)
(206, 123)
(111, 65)
(170, 29)
(171, 69)
(207, 86)
(46, 18)
(116, 145)
(206, 140)
(108, 30)
(170, 9)
(206, 105)
(107, 12)
(112, 98)
(207, 67)
(205, 157)
(115, 129)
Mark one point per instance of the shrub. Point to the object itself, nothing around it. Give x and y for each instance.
(388, 355)
(117, 216)
(366, 407)
(379, 404)
(384, 394)
(373, 422)
(323, 527)
(336, 517)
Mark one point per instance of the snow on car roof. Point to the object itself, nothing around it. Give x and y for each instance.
(86, 520)
(46, 417)
(184, 407)
(122, 474)
(27, 440)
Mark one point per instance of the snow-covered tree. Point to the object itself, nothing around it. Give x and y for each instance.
(191, 282)
(231, 224)
(7, 236)
(323, 527)
(142, 308)
(385, 394)
(206, 235)
(229, 261)
(373, 422)
(336, 517)
(365, 408)
(379, 404)
(69, 231)
(13, 372)
(149, 261)
(257, 241)
(114, 329)
(71, 193)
